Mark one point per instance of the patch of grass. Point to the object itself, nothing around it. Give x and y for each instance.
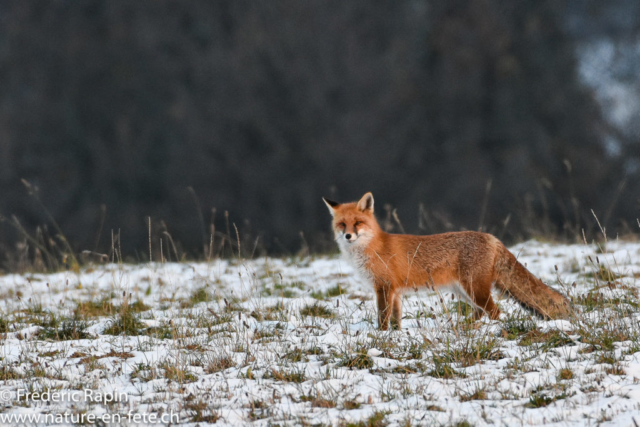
(627, 303)
(565, 374)
(178, 374)
(296, 355)
(606, 357)
(462, 308)
(34, 308)
(604, 417)
(515, 327)
(293, 376)
(318, 401)
(538, 400)
(197, 296)
(323, 403)
(215, 319)
(46, 320)
(274, 312)
(92, 358)
(416, 349)
(219, 364)
(233, 306)
(259, 409)
(603, 273)
(139, 307)
(316, 310)
(336, 291)
(125, 323)
(615, 369)
(300, 355)
(69, 330)
(517, 365)
(351, 404)
(163, 332)
(474, 351)
(284, 290)
(144, 372)
(266, 333)
(443, 369)
(287, 293)
(298, 285)
(8, 373)
(605, 337)
(375, 420)
(248, 374)
(479, 394)
(633, 348)
(90, 309)
(37, 370)
(550, 339)
(198, 410)
(52, 353)
(591, 388)
(356, 361)
(413, 368)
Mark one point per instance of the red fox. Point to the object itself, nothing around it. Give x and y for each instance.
(467, 262)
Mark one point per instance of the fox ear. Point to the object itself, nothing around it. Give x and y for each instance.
(331, 205)
(366, 203)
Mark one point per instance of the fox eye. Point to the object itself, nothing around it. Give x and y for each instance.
(342, 225)
(358, 223)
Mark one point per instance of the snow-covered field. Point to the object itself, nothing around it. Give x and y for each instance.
(294, 342)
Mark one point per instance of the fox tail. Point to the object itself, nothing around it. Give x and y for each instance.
(515, 280)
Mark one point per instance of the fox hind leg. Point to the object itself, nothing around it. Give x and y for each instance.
(396, 312)
(479, 291)
(485, 304)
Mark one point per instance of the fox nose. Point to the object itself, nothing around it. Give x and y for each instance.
(347, 236)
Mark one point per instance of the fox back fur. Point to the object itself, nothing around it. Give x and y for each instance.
(468, 262)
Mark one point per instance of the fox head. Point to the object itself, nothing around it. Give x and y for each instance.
(353, 223)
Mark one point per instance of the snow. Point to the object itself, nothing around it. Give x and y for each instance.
(249, 355)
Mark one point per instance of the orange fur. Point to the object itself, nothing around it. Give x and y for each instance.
(470, 260)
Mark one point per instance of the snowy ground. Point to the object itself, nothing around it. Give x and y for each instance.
(294, 342)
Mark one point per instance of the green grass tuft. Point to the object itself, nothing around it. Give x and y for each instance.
(69, 330)
(356, 361)
(125, 323)
(317, 310)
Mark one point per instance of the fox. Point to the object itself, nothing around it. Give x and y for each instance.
(469, 263)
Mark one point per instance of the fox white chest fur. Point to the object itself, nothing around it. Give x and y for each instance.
(355, 255)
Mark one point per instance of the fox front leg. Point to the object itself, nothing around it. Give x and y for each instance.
(385, 298)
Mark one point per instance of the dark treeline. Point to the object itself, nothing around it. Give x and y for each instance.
(459, 114)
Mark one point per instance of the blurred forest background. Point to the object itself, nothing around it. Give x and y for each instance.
(517, 117)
